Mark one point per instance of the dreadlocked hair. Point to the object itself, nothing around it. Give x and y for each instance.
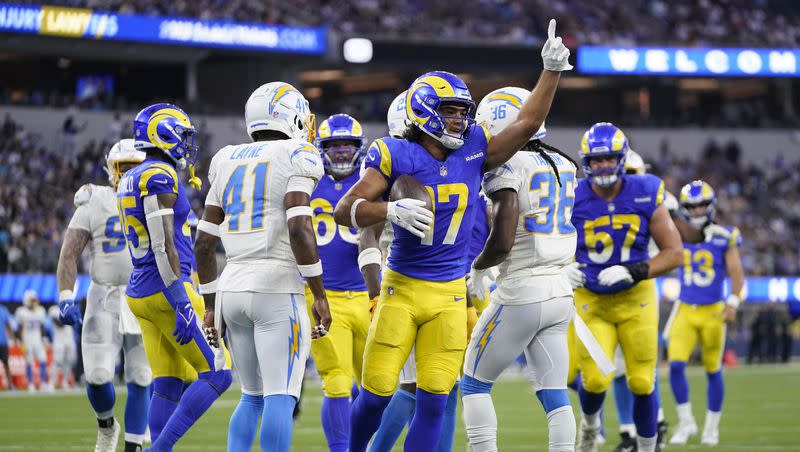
(541, 148)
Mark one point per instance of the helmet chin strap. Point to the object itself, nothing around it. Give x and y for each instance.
(450, 142)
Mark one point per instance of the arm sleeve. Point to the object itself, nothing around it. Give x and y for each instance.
(306, 169)
(500, 178)
(158, 179)
(81, 219)
(736, 238)
(379, 157)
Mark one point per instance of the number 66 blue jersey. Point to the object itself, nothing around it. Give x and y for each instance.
(616, 232)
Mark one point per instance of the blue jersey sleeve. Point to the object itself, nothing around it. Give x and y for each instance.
(159, 178)
(379, 158)
(653, 187)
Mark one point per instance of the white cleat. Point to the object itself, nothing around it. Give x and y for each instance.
(31, 388)
(588, 439)
(710, 437)
(107, 438)
(684, 431)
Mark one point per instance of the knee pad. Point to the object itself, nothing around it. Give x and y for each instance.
(140, 376)
(553, 399)
(595, 384)
(640, 385)
(337, 384)
(219, 379)
(471, 386)
(436, 382)
(99, 376)
(379, 384)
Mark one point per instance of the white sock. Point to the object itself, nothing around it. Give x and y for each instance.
(561, 429)
(481, 422)
(592, 420)
(660, 414)
(685, 412)
(630, 429)
(645, 444)
(712, 420)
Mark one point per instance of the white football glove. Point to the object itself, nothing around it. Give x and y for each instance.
(480, 281)
(555, 55)
(411, 215)
(576, 277)
(714, 230)
(613, 275)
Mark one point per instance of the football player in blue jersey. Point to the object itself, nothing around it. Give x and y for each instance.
(703, 312)
(423, 293)
(154, 210)
(338, 354)
(616, 215)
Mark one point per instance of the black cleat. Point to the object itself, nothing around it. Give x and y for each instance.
(661, 438)
(628, 443)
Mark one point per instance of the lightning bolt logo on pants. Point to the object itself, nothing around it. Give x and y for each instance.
(294, 341)
(486, 335)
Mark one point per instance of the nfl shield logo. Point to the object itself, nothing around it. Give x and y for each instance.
(337, 186)
(443, 171)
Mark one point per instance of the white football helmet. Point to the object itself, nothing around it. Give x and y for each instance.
(123, 151)
(634, 163)
(280, 107)
(396, 117)
(30, 298)
(501, 107)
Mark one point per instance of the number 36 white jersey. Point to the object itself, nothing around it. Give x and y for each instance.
(249, 182)
(97, 214)
(545, 239)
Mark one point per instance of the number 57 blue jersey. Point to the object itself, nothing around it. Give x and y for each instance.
(615, 232)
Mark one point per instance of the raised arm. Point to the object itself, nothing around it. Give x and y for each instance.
(555, 56)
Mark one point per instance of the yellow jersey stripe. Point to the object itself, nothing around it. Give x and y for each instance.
(386, 158)
(152, 171)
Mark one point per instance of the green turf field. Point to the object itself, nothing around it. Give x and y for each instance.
(760, 414)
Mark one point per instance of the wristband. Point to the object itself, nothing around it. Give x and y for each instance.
(310, 271)
(208, 227)
(353, 209)
(208, 288)
(65, 295)
(299, 211)
(369, 256)
(639, 270)
(733, 301)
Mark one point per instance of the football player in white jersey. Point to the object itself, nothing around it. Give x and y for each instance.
(31, 318)
(258, 205)
(63, 349)
(532, 240)
(108, 325)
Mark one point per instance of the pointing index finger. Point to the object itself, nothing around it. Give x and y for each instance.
(551, 29)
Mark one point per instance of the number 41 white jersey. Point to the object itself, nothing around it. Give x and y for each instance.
(249, 182)
(545, 239)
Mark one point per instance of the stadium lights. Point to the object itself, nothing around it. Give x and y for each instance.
(357, 50)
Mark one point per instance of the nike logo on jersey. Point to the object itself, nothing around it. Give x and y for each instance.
(161, 181)
(457, 298)
(371, 157)
(641, 305)
(644, 199)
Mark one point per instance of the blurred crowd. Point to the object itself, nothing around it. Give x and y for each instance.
(685, 22)
(37, 187)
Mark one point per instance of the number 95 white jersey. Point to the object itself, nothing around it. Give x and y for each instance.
(545, 239)
(97, 214)
(249, 182)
